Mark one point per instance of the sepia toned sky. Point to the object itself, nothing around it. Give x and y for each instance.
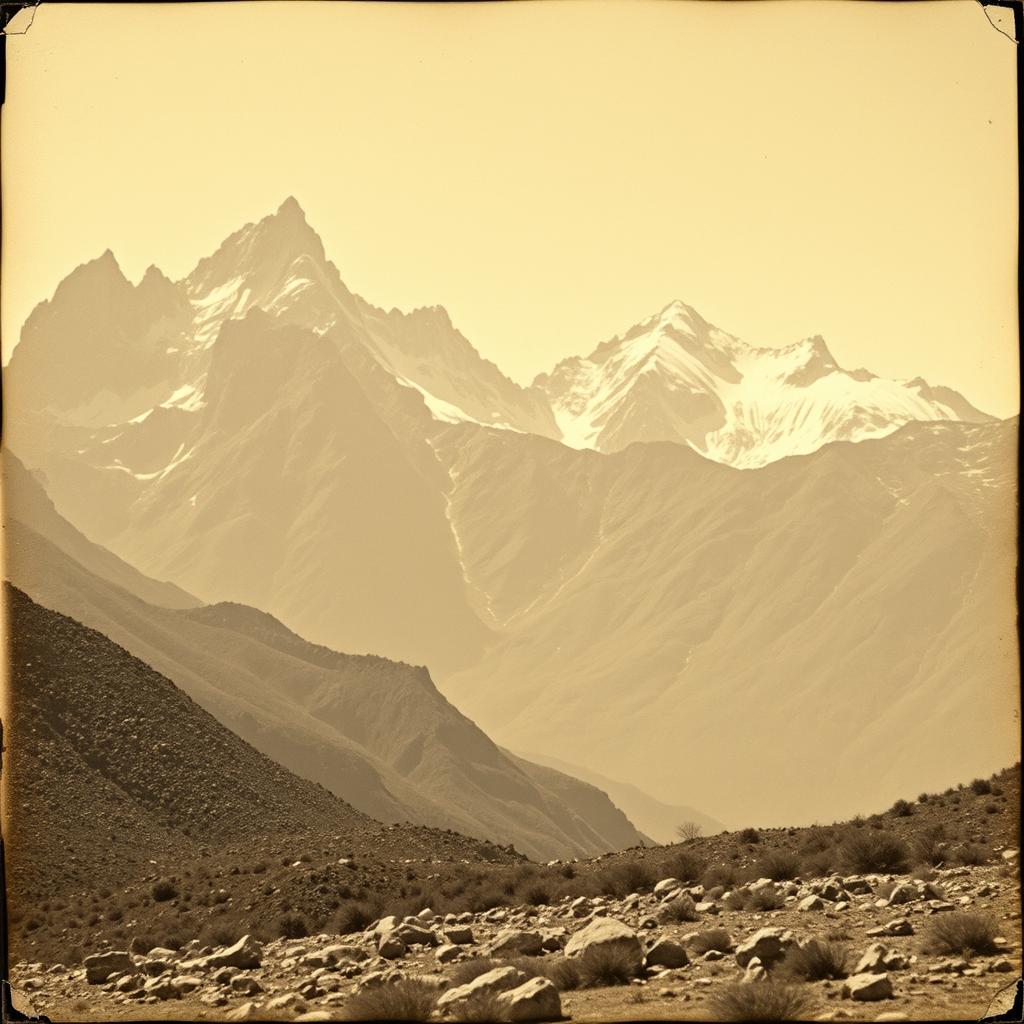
(551, 172)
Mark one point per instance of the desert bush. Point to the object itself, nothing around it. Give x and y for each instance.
(678, 910)
(815, 961)
(625, 878)
(981, 787)
(972, 854)
(903, 809)
(738, 899)
(606, 965)
(817, 865)
(483, 1008)
(721, 875)
(562, 972)
(291, 926)
(713, 938)
(537, 895)
(992, 808)
(163, 890)
(409, 999)
(922, 798)
(871, 852)
(765, 899)
(765, 1000)
(779, 866)
(221, 933)
(963, 933)
(750, 835)
(354, 917)
(929, 847)
(685, 866)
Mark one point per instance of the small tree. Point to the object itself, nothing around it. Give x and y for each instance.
(688, 830)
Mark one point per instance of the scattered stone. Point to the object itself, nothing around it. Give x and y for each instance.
(245, 984)
(900, 926)
(534, 1000)
(811, 902)
(501, 979)
(100, 966)
(607, 933)
(878, 959)
(868, 987)
(390, 947)
(767, 944)
(511, 942)
(447, 954)
(666, 953)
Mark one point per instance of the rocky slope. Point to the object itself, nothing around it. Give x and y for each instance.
(111, 769)
(375, 732)
(755, 925)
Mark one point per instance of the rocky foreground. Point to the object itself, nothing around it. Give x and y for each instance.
(868, 947)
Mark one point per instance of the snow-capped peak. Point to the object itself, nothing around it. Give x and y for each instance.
(676, 377)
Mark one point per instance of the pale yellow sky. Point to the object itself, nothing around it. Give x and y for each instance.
(551, 171)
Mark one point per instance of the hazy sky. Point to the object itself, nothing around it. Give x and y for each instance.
(551, 171)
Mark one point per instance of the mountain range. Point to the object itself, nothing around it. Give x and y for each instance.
(678, 547)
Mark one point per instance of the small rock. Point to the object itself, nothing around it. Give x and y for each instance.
(868, 987)
(534, 1000)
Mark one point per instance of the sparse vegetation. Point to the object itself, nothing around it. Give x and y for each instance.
(963, 933)
(763, 1001)
(164, 890)
(685, 866)
(779, 866)
(903, 809)
(408, 999)
(606, 965)
(873, 852)
(981, 787)
(815, 961)
(293, 926)
(750, 835)
(713, 938)
(678, 910)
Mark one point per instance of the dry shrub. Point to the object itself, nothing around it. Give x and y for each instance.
(601, 966)
(816, 961)
(713, 938)
(678, 910)
(408, 999)
(761, 1001)
(962, 933)
(874, 852)
(779, 866)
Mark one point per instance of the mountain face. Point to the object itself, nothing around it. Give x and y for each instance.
(258, 435)
(376, 733)
(113, 765)
(675, 377)
(711, 625)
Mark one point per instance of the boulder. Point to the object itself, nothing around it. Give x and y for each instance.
(868, 987)
(101, 966)
(459, 935)
(536, 999)
(667, 886)
(756, 971)
(447, 953)
(607, 933)
(390, 947)
(501, 979)
(905, 892)
(245, 954)
(811, 902)
(877, 959)
(245, 984)
(161, 988)
(666, 953)
(514, 942)
(901, 926)
(186, 983)
(767, 944)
